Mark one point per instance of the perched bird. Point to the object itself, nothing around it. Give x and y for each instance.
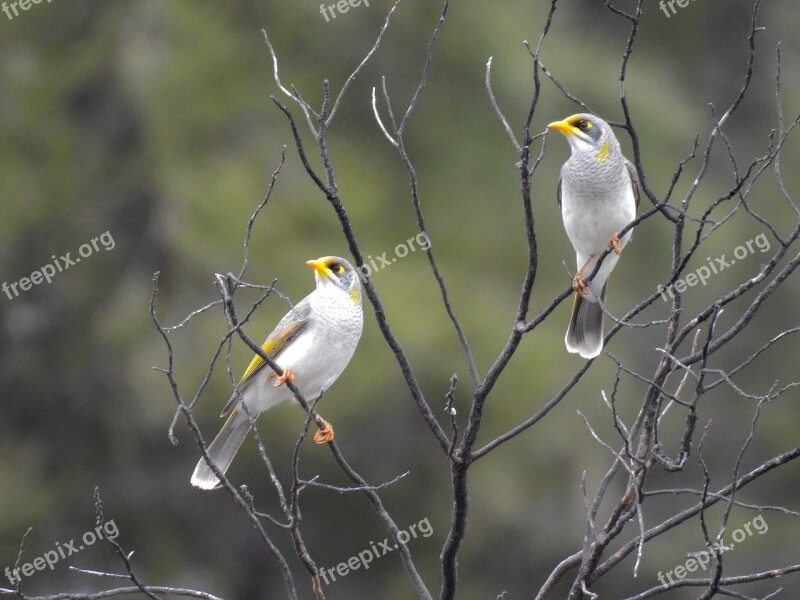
(312, 344)
(598, 193)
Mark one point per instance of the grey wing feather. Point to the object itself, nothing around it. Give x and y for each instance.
(558, 193)
(296, 319)
(288, 328)
(634, 180)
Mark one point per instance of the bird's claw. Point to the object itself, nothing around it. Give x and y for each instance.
(325, 434)
(287, 375)
(579, 285)
(615, 243)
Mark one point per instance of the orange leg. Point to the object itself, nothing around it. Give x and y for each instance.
(578, 285)
(287, 376)
(324, 435)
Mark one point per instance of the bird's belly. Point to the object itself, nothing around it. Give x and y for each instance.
(591, 221)
(313, 371)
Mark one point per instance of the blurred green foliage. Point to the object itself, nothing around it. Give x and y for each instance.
(153, 121)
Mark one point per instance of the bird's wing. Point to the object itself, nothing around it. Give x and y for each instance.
(634, 180)
(287, 329)
(558, 192)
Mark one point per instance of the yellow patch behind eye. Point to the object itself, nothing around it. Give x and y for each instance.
(602, 154)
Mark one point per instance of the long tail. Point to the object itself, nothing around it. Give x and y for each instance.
(222, 449)
(585, 332)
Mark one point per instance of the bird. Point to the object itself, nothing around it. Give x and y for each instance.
(598, 192)
(312, 344)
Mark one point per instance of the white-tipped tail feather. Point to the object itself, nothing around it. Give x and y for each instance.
(585, 332)
(222, 450)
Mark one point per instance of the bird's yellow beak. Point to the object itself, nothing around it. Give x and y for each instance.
(564, 127)
(319, 266)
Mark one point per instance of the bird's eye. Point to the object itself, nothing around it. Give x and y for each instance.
(583, 125)
(337, 268)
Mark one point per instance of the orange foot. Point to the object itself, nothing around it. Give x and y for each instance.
(324, 435)
(615, 243)
(579, 285)
(287, 376)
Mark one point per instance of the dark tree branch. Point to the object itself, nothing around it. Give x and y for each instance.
(685, 368)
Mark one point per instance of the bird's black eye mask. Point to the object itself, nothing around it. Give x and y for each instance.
(587, 127)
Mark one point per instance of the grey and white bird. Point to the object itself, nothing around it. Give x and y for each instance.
(312, 343)
(598, 193)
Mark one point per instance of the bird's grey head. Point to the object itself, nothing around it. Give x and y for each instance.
(338, 273)
(588, 133)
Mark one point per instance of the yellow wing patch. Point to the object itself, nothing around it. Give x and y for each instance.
(257, 361)
(274, 344)
(276, 341)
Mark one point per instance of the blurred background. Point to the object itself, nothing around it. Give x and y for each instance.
(152, 121)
